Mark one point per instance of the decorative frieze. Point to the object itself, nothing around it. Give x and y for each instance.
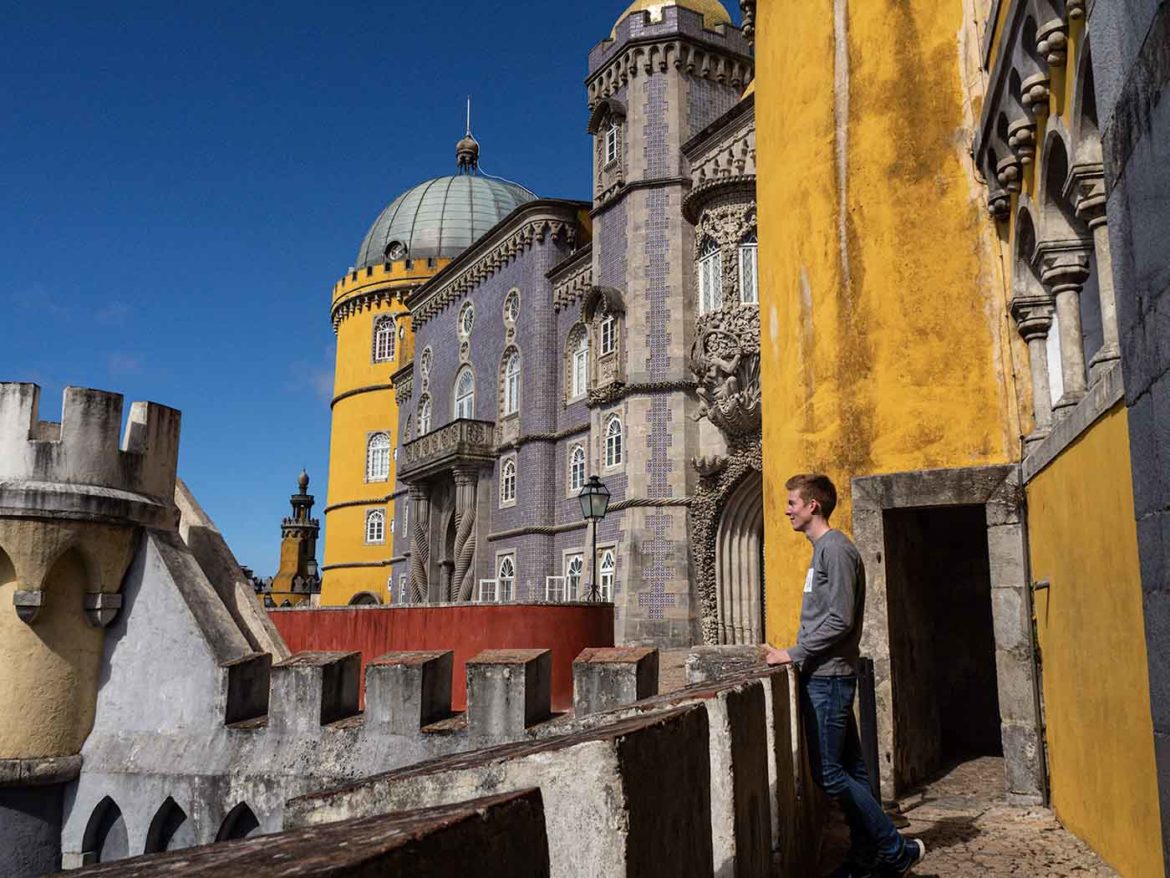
(658, 56)
(462, 441)
(572, 286)
(1052, 42)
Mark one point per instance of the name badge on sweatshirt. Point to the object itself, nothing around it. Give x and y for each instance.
(808, 581)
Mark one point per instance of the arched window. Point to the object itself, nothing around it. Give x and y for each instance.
(576, 468)
(377, 457)
(613, 441)
(608, 334)
(239, 823)
(466, 320)
(424, 363)
(606, 569)
(508, 481)
(574, 567)
(105, 839)
(611, 141)
(170, 830)
(578, 362)
(375, 526)
(424, 415)
(512, 383)
(710, 276)
(506, 578)
(383, 339)
(512, 306)
(749, 291)
(465, 393)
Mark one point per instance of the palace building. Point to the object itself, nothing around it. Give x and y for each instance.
(496, 349)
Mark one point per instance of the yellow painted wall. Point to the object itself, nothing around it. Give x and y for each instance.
(48, 670)
(886, 345)
(355, 416)
(1089, 621)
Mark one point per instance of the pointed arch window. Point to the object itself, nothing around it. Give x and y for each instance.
(377, 457)
(613, 441)
(375, 526)
(465, 393)
(424, 416)
(579, 363)
(506, 578)
(606, 571)
(611, 141)
(710, 276)
(576, 469)
(384, 339)
(749, 291)
(508, 481)
(574, 567)
(512, 383)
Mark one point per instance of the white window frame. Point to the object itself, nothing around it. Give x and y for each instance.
(378, 457)
(510, 313)
(383, 347)
(749, 271)
(466, 320)
(606, 577)
(375, 526)
(488, 591)
(506, 585)
(508, 482)
(464, 399)
(576, 484)
(424, 415)
(614, 441)
(611, 142)
(579, 367)
(403, 589)
(710, 277)
(608, 335)
(574, 579)
(512, 383)
(554, 589)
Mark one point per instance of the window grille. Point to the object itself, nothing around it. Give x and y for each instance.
(378, 457)
(749, 292)
(383, 339)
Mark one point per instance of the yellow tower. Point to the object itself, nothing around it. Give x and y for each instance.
(410, 242)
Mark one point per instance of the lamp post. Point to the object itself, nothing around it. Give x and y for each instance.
(594, 499)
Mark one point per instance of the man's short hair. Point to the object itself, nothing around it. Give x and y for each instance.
(815, 486)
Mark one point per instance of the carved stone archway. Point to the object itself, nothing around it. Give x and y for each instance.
(739, 563)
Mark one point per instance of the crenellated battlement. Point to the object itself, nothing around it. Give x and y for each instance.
(87, 465)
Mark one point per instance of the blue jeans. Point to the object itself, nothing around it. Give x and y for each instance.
(834, 750)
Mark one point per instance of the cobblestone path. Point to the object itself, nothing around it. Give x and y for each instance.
(970, 830)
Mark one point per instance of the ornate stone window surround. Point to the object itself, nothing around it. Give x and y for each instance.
(382, 347)
(510, 371)
(466, 320)
(613, 449)
(512, 306)
(377, 456)
(573, 571)
(375, 527)
(508, 476)
(607, 125)
(722, 232)
(577, 464)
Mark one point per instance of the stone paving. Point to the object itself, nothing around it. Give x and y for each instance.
(970, 829)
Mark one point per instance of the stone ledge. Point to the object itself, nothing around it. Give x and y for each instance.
(1104, 393)
(39, 771)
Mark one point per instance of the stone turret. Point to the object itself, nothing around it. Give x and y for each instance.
(74, 498)
(297, 577)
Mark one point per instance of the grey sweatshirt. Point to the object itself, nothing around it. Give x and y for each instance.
(828, 643)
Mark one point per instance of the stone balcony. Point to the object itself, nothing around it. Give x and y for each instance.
(459, 442)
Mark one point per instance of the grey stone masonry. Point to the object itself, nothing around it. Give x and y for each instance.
(1131, 67)
(494, 837)
(606, 677)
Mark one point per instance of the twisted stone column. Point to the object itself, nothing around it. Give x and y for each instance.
(1064, 270)
(1033, 315)
(420, 549)
(466, 484)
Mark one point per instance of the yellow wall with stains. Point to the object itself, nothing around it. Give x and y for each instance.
(364, 403)
(886, 343)
(1100, 735)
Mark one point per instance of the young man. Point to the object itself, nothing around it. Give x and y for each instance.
(826, 651)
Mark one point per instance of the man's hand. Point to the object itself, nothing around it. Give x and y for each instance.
(777, 656)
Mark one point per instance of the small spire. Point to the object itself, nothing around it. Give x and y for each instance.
(467, 150)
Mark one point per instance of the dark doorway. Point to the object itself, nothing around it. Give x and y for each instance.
(942, 642)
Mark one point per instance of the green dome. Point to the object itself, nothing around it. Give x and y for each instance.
(439, 218)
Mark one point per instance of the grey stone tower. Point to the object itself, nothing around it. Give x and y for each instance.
(663, 76)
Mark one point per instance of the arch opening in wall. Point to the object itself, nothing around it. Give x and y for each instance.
(364, 599)
(170, 830)
(239, 823)
(105, 838)
(7, 568)
(739, 564)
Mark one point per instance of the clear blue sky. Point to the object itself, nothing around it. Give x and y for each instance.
(182, 183)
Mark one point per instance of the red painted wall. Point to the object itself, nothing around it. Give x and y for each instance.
(467, 629)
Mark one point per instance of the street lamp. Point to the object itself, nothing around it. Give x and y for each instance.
(594, 499)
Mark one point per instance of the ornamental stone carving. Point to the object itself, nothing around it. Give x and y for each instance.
(1052, 42)
(725, 358)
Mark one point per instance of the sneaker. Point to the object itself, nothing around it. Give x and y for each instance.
(917, 849)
